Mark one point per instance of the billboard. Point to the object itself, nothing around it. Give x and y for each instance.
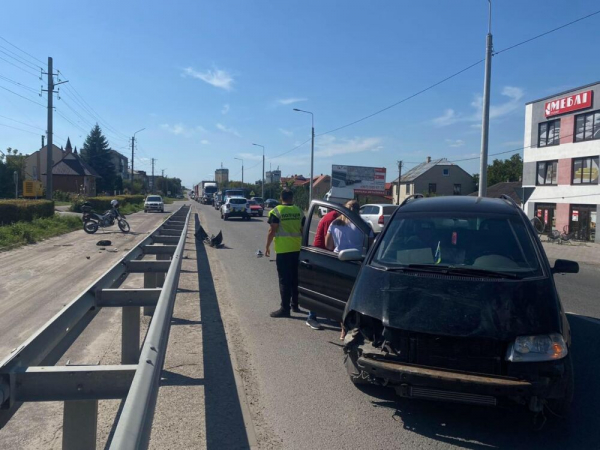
(358, 179)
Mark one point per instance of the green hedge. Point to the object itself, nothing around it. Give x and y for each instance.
(12, 211)
(100, 204)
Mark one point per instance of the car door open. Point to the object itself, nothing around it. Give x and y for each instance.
(324, 280)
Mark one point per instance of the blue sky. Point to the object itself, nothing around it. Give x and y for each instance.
(208, 78)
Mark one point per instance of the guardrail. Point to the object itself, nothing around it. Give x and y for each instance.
(29, 373)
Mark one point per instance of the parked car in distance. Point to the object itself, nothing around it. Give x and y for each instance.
(466, 309)
(260, 201)
(235, 207)
(377, 215)
(154, 203)
(271, 203)
(255, 208)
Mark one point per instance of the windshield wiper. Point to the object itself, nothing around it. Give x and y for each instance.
(452, 270)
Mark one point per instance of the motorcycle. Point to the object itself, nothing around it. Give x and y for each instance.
(93, 220)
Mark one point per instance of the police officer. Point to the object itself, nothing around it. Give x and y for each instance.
(286, 222)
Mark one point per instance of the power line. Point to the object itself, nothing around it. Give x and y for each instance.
(68, 120)
(19, 95)
(21, 50)
(23, 123)
(20, 129)
(456, 74)
(18, 58)
(19, 84)
(546, 33)
(20, 68)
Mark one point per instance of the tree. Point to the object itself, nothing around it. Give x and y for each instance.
(95, 153)
(12, 161)
(508, 170)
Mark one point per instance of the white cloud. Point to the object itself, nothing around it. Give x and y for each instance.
(216, 77)
(181, 130)
(455, 142)
(448, 118)
(514, 95)
(285, 132)
(225, 109)
(250, 156)
(328, 146)
(229, 130)
(291, 100)
(204, 142)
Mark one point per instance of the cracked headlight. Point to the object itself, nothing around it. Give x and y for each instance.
(544, 347)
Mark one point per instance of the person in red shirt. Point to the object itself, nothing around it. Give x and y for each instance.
(322, 229)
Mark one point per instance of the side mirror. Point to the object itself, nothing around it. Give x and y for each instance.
(350, 254)
(565, 266)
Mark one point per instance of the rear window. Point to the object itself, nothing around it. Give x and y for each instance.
(252, 202)
(154, 198)
(389, 210)
(459, 240)
(237, 201)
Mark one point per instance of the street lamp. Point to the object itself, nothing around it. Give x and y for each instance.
(485, 126)
(263, 171)
(132, 144)
(240, 159)
(312, 154)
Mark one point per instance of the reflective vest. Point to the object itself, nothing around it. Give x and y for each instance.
(289, 234)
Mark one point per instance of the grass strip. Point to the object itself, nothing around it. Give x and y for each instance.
(22, 233)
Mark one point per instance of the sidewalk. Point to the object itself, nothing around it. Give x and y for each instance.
(582, 252)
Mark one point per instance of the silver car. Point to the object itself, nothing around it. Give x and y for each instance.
(154, 203)
(377, 216)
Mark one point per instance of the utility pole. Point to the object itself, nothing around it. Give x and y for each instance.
(132, 155)
(485, 126)
(399, 177)
(263, 170)
(163, 181)
(153, 191)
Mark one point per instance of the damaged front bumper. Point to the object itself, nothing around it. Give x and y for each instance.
(407, 375)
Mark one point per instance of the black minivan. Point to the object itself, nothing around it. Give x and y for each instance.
(454, 301)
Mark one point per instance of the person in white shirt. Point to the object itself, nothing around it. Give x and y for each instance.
(343, 234)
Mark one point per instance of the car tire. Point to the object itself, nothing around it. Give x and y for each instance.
(145, 211)
(561, 407)
(356, 374)
(260, 214)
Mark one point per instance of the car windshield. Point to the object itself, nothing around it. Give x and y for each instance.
(481, 242)
(258, 199)
(154, 198)
(252, 202)
(237, 201)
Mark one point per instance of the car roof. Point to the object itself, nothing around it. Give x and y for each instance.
(460, 203)
(378, 204)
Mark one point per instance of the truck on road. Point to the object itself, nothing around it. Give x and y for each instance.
(209, 188)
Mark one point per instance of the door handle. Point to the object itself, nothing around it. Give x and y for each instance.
(306, 264)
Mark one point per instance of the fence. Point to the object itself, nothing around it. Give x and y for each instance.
(29, 373)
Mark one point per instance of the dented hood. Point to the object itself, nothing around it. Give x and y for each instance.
(457, 306)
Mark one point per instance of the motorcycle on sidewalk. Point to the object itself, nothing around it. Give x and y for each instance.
(93, 220)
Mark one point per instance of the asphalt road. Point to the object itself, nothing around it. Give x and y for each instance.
(302, 397)
(38, 280)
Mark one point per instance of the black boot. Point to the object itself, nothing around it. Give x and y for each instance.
(280, 313)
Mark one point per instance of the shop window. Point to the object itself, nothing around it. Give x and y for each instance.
(587, 126)
(549, 133)
(457, 189)
(546, 172)
(585, 170)
(432, 188)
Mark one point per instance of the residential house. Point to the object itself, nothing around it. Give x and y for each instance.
(434, 177)
(35, 163)
(513, 189)
(294, 180)
(321, 185)
(73, 174)
(120, 162)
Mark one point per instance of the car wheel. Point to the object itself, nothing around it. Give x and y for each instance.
(260, 214)
(356, 374)
(561, 407)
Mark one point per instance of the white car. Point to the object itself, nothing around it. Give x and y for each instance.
(376, 215)
(154, 203)
(235, 207)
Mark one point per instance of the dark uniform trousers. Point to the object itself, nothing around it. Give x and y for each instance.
(287, 269)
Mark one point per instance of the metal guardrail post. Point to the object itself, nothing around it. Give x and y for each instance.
(130, 334)
(150, 283)
(80, 425)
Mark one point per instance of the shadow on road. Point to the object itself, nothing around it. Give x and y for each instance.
(224, 421)
(474, 427)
